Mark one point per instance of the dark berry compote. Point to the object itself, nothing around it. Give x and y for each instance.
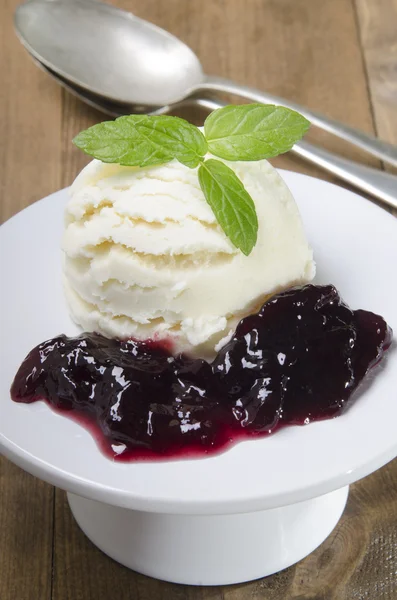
(299, 359)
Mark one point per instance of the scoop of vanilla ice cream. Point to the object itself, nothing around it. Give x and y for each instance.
(146, 258)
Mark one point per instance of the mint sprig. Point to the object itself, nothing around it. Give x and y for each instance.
(247, 132)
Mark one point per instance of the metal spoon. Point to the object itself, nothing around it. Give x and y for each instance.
(112, 53)
(104, 105)
(379, 184)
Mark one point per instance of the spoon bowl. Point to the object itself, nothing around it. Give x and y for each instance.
(101, 103)
(108, 51)
(117, 109)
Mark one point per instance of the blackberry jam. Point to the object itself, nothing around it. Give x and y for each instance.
(299, 359)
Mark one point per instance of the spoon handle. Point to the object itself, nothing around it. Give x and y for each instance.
(377, 183)
(383, 150)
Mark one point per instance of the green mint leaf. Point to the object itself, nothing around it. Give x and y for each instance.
(230, 202)
(120, 142)
(141, 141)
(253, 131)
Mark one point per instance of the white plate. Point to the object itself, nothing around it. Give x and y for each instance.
(355, 246)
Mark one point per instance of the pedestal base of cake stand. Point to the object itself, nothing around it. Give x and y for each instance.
(214, 549)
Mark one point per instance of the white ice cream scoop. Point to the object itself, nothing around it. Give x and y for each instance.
(146, 258)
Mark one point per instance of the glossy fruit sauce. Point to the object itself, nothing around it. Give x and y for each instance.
(299, 359)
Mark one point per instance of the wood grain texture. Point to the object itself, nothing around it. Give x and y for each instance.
(30, 123)
(26, 531)
(378, 27)
(301, 49)
(378, 33)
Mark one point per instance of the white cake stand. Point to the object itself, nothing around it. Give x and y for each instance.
(258, 507)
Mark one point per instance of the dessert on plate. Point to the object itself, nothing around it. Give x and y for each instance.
(187, 267)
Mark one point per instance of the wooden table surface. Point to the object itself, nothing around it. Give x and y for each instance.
(335, 56)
